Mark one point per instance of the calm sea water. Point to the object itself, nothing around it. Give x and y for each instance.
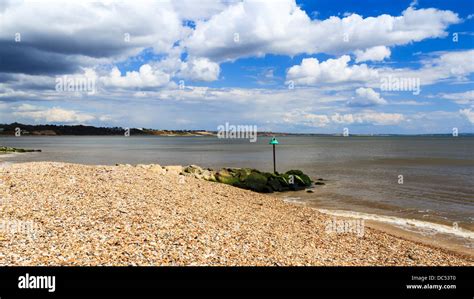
(363, 173)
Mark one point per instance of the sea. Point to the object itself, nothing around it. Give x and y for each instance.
(423, 184)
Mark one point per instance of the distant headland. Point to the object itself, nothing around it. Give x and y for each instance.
(85, 130)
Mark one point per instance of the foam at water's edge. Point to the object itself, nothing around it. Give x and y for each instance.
(403, 222)
(8, 155)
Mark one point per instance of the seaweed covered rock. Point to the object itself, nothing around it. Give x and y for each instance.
(226, 177)
(208, 175)
(251, 179)
(300, 177)
(199, 172)
(256, 181)
(193, 169)
(263, 182)
(7, 149)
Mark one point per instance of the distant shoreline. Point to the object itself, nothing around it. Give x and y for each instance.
(83, 130)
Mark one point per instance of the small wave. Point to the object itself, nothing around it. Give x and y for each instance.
(292, 199)
(8, 155)
(430, 227)
(424, 161)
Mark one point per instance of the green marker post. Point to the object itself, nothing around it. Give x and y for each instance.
(274, 142)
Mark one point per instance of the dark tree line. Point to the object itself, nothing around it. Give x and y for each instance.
(10, 129)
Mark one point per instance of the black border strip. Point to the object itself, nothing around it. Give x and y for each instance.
(240, 282)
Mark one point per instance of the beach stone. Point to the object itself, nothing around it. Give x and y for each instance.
(208, 175)
(174, 169)
(145, 166)
(156, 168)
(193, 169)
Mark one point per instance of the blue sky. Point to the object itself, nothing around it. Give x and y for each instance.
(304, 66)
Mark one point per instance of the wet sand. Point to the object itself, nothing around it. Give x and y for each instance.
(438, 241)
(438, 234)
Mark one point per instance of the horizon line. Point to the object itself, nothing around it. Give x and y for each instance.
(143, 129)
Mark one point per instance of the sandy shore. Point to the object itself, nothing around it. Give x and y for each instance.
(67, 214)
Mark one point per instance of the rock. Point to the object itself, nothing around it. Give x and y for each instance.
(208, 175)
(198, 176)
(309, 190)
(145, 166)
(256, 181)
(299, 181)
(257, 177)
(226, 177)
(283, 182)
(275, 184)
(303, 179)
(294, 172)
(200, 173)
(320, 183)
(248, 178)
(193, 169)
(174, 169)
(17, 150)
(156, 168)
(243, 173)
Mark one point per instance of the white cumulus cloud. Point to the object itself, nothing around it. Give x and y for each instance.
(311, 71)
(378, 53)
(469, 114)
(282, 27)
(302, 117)
(371, 117)
(145, 77)
(54, 114)
(200, 69)
(461, 98)
(455, 65)
(366, 97)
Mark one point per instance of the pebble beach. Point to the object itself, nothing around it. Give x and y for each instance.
(70, 214)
